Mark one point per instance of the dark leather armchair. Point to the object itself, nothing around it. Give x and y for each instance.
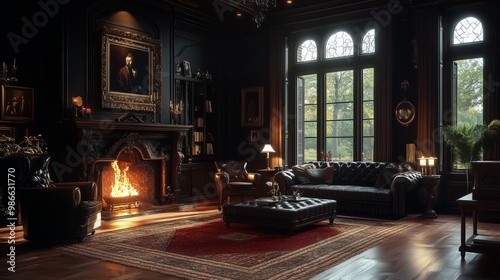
(50, 212)
(61, 212)
(232, 179)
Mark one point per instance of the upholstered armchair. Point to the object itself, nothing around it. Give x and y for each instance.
(232, 179)
(62, 211)
(51, 211)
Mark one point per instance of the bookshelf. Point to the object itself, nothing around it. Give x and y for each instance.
(201, 99)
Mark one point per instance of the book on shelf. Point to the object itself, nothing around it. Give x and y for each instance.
(197, 149)
(200, 122)
(208, 106)
(210, 149)
(198, 136)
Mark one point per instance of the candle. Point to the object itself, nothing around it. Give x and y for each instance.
(4, 67)
(14, 66)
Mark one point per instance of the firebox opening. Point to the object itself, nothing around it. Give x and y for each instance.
(131, 182)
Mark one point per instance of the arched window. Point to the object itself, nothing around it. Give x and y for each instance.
(468, 30)
(335, 98)
(466, 77)
(307, 51)
(340, 44)
(368, 43)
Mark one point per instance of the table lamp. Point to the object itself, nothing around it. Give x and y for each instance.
(423, 164)
(268, 149)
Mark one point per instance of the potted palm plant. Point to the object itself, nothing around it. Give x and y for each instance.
(467, 142)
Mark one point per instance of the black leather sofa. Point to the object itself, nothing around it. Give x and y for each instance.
(381, 189)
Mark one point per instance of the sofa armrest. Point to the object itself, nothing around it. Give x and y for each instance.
(285, 179)
(406, 181)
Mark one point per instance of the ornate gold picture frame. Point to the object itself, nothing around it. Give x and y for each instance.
(131, 71)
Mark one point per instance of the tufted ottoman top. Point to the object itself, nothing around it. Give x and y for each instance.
(284, 211)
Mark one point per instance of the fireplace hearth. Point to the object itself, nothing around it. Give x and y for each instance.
(149, 154)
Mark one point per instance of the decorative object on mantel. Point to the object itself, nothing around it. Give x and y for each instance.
(5, 79)
(77, 110)
(176, 111)
(405, 111)
(129, 117)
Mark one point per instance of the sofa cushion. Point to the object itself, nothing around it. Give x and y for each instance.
(329, 174)
(305, 174)
(345, 192)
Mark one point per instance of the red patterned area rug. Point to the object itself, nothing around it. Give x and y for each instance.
(204, 248)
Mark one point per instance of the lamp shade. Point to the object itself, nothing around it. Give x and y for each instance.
(431, 161)
(268, 149)
(423, 161)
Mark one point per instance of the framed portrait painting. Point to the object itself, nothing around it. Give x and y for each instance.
(252, 107)
(17, 104)
(131, 71)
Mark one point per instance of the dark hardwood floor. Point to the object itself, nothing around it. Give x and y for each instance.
(428, 251)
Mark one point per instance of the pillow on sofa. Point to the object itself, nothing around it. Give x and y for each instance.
(308, 173)
(387, 175)
(329, 172)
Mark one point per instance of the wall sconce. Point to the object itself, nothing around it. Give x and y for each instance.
(268, 149)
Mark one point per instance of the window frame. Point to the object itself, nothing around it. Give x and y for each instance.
(356, 62)
(451, 53)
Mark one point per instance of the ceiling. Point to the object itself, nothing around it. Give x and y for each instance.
(227, 10)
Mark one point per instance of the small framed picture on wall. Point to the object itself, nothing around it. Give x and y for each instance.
(17, 104)
(252, 106)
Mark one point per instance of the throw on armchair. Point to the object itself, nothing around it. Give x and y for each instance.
(61, 212)
(232, 179)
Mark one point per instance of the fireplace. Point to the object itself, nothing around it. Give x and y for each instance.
(131, 181)
(150, 156)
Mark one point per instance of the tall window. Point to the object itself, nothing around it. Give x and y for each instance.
(468, 73)
(335, 100)
(466, 59)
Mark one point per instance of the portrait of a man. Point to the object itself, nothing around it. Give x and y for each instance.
(128, 70)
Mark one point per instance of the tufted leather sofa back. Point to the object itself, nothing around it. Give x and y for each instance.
(354, 173)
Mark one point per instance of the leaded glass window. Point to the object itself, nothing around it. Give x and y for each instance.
(340, 44)
(468, 30)
(307, 51)
(368, 43)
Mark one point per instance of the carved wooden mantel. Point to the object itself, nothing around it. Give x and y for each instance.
(98, 140)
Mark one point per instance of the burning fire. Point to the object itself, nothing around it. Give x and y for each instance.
(122, 186)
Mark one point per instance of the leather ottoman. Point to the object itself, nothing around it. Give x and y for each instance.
(289, 215)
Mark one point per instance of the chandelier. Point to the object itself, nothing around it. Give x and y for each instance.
(260, 9)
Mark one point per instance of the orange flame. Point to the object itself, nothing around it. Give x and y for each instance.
(122, 186)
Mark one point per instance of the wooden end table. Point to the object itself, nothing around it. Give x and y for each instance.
(477, 243)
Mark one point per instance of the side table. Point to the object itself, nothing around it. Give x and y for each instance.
(430, 183)
(475, 242)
